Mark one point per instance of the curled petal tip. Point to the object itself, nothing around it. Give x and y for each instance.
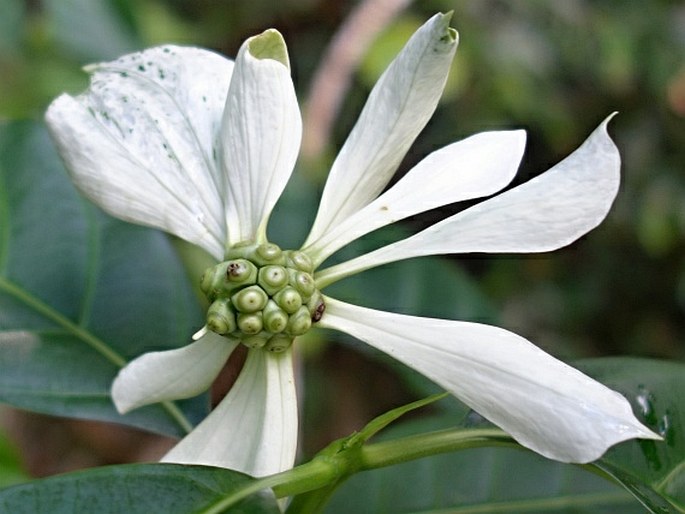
(269, 45)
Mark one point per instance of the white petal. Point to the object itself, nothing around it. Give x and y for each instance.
(261, 134)
(398, 108)
(545, 213)
(544, 404)
(477, 166)
(139, 141)
(171, 375)
(254, 428)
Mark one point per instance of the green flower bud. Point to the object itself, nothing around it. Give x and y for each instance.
(303, 282)
(288, 299)
(262, 295)
(257, 340)
(268, 253)
(242, 250)
(250, 323)
(275, 319)
(301, 261)
(241, 272)
(316, 306)
(207, 281)
(272, 278)
(299, 322)
(250, 299)
(220, 317)
(279, 343)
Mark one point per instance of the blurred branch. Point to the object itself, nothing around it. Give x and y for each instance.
(332, 78)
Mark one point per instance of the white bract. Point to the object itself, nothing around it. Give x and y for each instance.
(191, 143)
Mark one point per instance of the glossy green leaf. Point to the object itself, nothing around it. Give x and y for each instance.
(80, 293)
(135, 489)
(653, 471)
(501, 480)
(483, 481)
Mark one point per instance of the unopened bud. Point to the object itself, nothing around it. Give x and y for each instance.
(268, 253)
(301, 261)
(251, 323)
(272, 278)
(250, 299)
(299, 322)
(275, 319)
(304, 283)
(278, 343)
(241, 272)
(288, 299)
(257, 340)
(316, 306)
(220, 317)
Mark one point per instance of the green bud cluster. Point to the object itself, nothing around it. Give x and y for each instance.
(262, 295)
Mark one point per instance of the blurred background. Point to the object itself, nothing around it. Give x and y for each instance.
(554, 68)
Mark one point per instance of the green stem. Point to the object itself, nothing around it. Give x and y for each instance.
(311, 475)
(79, 332)
(348, 461)
(414, 447)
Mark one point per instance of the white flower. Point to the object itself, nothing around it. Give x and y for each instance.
(186, 141)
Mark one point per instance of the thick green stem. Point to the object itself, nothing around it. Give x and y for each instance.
(414, 447)
(311, 475)
(312, 484)
(351, 458)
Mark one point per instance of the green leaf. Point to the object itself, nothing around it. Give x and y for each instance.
(13, 12)
(483, 481)
(135, 489)
(492, 480)
(80, 293)
(653, 471)
(92, 30)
